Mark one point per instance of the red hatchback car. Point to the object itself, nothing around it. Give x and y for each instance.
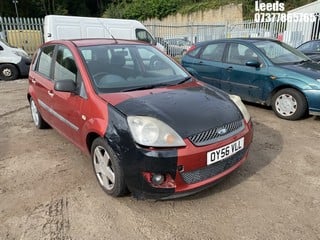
(149, 126)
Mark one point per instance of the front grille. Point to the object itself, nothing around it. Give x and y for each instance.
(212, 135)
(213, 169)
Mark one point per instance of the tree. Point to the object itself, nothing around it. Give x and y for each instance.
(142, 9)
(134, 9)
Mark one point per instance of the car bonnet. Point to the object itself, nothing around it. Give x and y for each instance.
(309, 69)
(188, 111)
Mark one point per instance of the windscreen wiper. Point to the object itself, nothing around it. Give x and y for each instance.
(145, 87)
(184, 80)
(155, 85)
(303, 61)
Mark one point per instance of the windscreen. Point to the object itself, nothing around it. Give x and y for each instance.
(280, 53)
(115, 68)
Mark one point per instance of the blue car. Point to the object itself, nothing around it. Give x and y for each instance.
(259, 70)
(311, 49)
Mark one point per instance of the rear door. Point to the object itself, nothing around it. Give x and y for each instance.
(40, 80)
(209, 66)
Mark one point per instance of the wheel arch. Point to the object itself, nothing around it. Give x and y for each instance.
(13, 64)
(29, 97)
(89, 140)
(278, 88)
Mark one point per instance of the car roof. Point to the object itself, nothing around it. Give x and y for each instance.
(314, 40)
(249, 40)
(98, 41)
(256, 39)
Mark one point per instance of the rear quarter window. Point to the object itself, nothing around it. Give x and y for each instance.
(194, 52)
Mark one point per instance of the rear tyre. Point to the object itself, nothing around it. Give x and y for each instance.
(36, 116)
(8, 72)
(107, 169)
(289, 104)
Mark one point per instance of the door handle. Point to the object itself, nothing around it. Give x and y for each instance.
(229, 69)
(50, 92)
(33, 80)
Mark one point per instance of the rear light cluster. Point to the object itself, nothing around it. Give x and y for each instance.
(159, 180)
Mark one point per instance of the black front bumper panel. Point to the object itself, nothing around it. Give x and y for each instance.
(136, 160)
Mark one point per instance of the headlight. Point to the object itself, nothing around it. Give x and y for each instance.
(152, 132)
(237, 100)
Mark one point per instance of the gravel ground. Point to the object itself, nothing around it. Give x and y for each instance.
(48, 189)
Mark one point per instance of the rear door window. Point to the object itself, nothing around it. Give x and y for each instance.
(213, 52)
(43, 65)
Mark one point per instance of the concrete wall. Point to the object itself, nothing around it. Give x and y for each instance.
(226, 14)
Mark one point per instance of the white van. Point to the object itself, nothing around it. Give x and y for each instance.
(72, 27)
(14, 62)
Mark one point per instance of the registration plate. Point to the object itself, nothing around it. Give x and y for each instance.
(225, 151)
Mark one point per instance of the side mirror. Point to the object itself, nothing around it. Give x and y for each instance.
(253, 63)
(67, 85)
(1, 48)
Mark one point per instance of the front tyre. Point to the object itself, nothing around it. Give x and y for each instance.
(289, 104)
(36, 116)
(106, 166)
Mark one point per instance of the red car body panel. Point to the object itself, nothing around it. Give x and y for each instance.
(193, 158)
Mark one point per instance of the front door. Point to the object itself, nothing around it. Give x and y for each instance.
(67, 107)
(239, 78)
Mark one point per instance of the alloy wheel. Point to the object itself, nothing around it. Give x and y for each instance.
(34, 113)
(103, 168)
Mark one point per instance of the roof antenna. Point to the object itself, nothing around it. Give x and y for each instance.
(105, 27)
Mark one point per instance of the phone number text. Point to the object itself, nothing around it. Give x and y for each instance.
(284, 17)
